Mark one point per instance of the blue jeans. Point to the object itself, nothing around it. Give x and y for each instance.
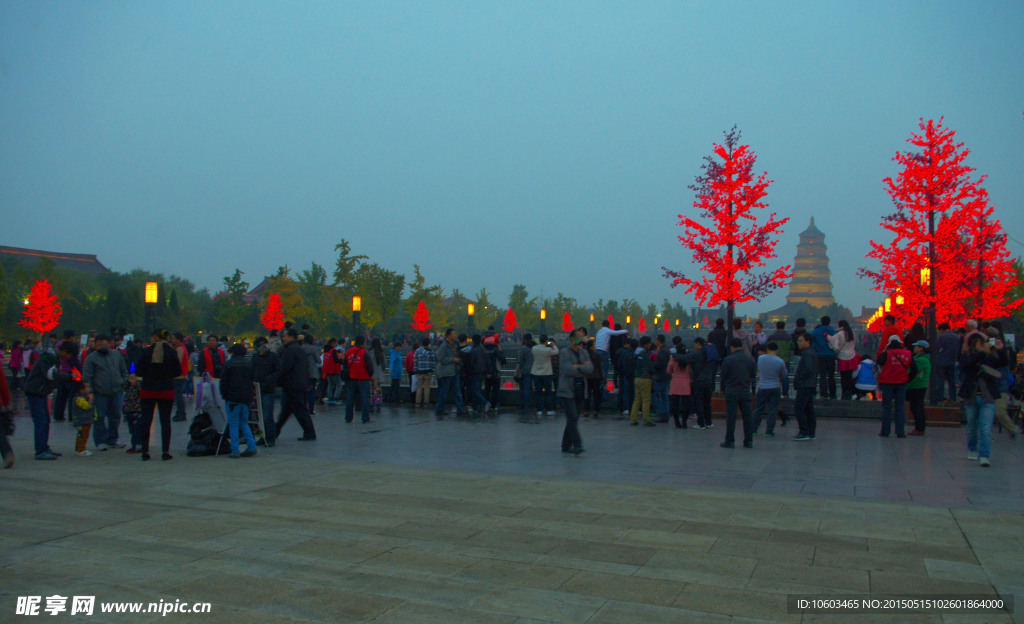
(362, 386)
(659, 398)
(476, 395)
(895, 393)
(181, 386)
(41, 422)
(766, 405)
(627, 391)
(446, 385)
(270, 427)
(238, 418)
(943, 378)
(108, 418)
(525, 390)
(542, 390)
(980, 416)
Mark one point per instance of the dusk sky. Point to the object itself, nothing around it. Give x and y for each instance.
(547, 143)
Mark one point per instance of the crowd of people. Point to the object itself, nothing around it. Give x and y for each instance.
(657, 380)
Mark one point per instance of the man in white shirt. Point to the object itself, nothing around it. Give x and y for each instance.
(601, 342)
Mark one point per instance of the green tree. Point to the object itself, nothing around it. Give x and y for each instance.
(521, 302)
(432, 296)
(486, 314)
(381, 290)
(346, 265)
(229, 310)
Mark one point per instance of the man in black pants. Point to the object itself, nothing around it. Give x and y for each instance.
(737, 371)
(805, 381)
(294, 382)
(702, 381)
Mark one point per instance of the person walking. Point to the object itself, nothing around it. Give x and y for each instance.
(542, 372)
(43, 377)
(918, 386)
(771, 373)
(738, 369)
(294, 382)
(979, 392)
(266, 370)
(359, 374)
(897, 368)
(105, 372)
(574, 363)
(805, 380)
(448, 359)
(845, 347)
(158, 365)
(643, 374)
(236, 388)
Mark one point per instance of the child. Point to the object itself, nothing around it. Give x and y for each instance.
(82, 416)
(866, 383)
(131, 407)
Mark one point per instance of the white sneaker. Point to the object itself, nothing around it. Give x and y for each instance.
(84, 453)
(972, 456)
(101, 447)
(487, 406)
(985, 462)
(551, 413)
(540, 412)
(625, 412)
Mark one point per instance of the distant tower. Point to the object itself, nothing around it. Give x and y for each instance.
(811, 281)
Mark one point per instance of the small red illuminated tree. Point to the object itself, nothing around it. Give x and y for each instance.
(642, 328)
(421, 318)
(273, 317)
(511, 322)
(567, 324)
(611, 321)
(946, 248)
(43, 311)
(667, 326)
(733, 245)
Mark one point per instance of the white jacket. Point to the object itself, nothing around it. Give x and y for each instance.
(845, 349)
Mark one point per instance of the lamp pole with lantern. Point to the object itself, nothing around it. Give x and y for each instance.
(543, 321)
(470, 313)
(151, 297)
(591, 323)
(357, 307)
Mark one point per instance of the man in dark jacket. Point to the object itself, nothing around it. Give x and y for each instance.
(625, 368)
(661, 378)
(211, 359)
(294, 381)
(266, 368)
(717, 337)
(805, 381)
(643, 373)
(478, 371)
(105, 371)
(492, 383)
(39, 384)
(947, 349)
(702, 381)
(738, 369)
(236, 387)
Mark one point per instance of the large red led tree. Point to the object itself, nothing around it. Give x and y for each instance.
(511, 322)
(43, 311)
(421, 318)
(731, 246)
(947, 252)
(567, 324)
(273, 317)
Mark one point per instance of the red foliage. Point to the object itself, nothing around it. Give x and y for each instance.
(567, 324)
(611, 321)
(421, 318)
(972, 270)
(642, 328)
(730, 255)
(273, 317)
(511, 322)
(667, 326)
(43, 311)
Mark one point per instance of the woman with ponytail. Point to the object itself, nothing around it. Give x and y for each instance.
(157, 366)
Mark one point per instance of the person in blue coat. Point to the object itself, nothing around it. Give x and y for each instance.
(395, 367)
(826, 358)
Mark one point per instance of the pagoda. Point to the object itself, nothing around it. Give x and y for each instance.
(811, 283)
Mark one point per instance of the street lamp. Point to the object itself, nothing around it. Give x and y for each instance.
(591, 323)
(543, 320)
(357, 307)
(151, 296)
(471, 312)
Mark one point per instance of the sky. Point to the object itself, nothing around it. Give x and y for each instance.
(491, 143)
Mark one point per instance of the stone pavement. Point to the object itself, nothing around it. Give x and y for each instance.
(410, 519)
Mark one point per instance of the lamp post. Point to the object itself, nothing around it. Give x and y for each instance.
(591, 323)
(543, 321)
(470, 313)
(151, 296)
(357, 307)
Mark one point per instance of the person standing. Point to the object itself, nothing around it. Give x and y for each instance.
(236, 388)
(625, 367)
(845, 347)
(211, 360)
(105, 372)
(758, 337)
(979, 392)
(897, 366)
(1002, 415)
(359, 374)
(716, 339)
(738, 369)
(266, 369)
(771, 373)
(826, 358)
(524, 368)
(294, 382)
(448, 360)
(495, 361)
(6, 423)
(603, 345)
(595, 383)
(679, 389)
(424, 364)
(889, 330)
(784, 340)
(542, 373)
(918, 386)
(45, 374)
(661, 378)
(702, 381)
(181, 385)
(65, 388)
(947, 350)
(805, 380)
(643, 373)
(574, 363)
(158, 365)
(395, 371)
(375, 364)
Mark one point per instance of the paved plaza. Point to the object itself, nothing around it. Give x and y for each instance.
(415, 519)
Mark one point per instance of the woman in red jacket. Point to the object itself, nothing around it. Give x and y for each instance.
(897, 366)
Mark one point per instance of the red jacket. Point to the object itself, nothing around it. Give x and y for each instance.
(896, 369)
(410, 362)
(331, 366)
(887, 332)
(356, 358)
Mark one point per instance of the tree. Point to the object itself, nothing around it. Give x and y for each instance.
(520, 299)
(287, 289)
(946, 249)
(567, 325)
(229, 309)
(511, 322)
(642, 328)
(381, 290)
(43, 311)
(486, 313)
(273, 317)
(730, 255)
(345, 266)
(421, 319)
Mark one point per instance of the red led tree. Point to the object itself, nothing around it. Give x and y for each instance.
(667, 326)
(43, 311)
(730, 254)
(511, 322)
(611, 321)
(273, 317)
(946, 248)
(642, 328)
(421, 319)
(567, 325)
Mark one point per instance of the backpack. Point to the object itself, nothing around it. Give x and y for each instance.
(712, 352)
